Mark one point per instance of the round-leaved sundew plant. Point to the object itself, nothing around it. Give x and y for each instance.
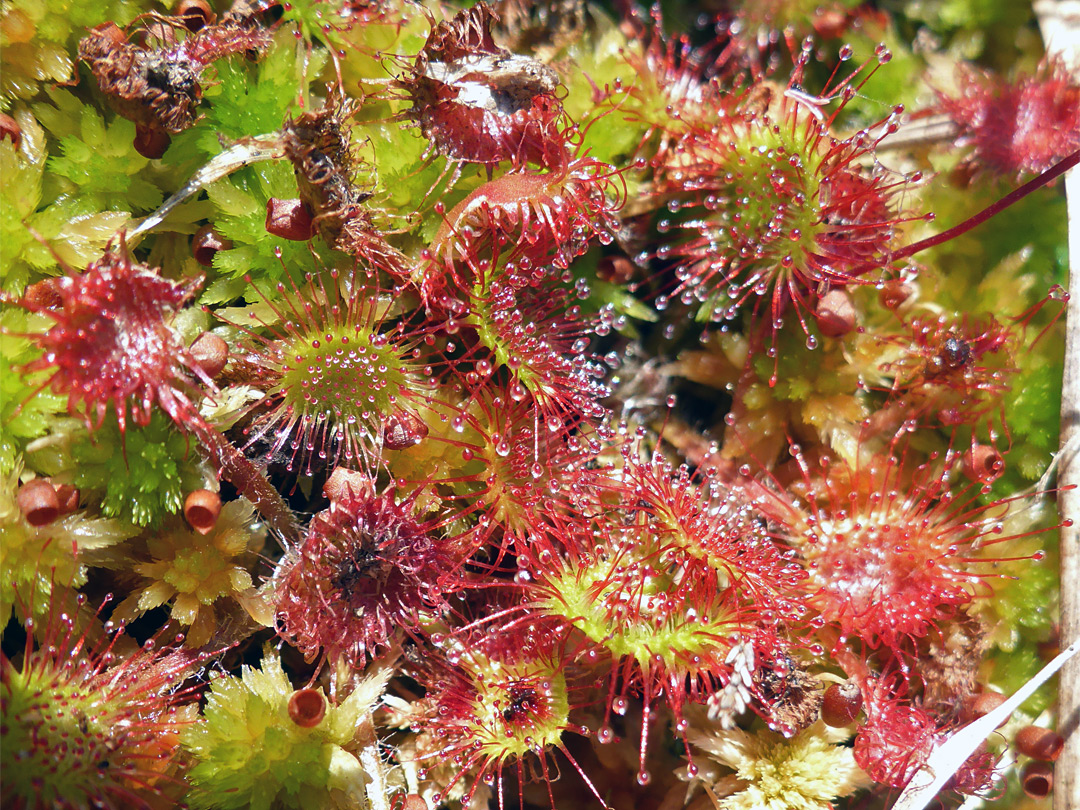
(339, 364)
(93, 724)
(621, 434)
(890, 546)
(367, 568)
(111, 343)
(498, 699)
(776, 210)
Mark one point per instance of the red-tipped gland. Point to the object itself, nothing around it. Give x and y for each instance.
(894, 294)
(201, 510)
(151, 142)
(983, 463)
(211, 353)
(983, 704)
(1039, 743)
(842, 704)
(1037, 779)
(196, 14)
(10, 129)
(69, 498)
(836, 314)
(307, 707)
(206, 243)
(403, 430)
(38, 502)
(289, 219)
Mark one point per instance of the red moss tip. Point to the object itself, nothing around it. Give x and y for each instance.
(211, 353)
(201, 510)
(289, 219)
(10, 130)
(307, 707)
(842, 704)
(206, 243)
(38, 502)
(1037, 779)
(1039, 743)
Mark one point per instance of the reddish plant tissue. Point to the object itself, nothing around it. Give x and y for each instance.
(111, 343)
(602, 417)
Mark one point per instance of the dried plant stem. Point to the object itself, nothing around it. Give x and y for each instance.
(1060, 24)
(239, 470)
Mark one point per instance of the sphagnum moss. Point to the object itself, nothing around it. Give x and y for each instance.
(611, 393)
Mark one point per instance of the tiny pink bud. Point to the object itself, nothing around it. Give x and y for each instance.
(211, 353)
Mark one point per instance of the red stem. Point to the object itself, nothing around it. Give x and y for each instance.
(1016, 195)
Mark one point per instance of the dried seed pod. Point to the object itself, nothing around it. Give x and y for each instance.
(307, 707)
(842, 704)
(151, 142)
(982, 704)
(9, 128)
(403, 430)
(196, 14)
(983, 463)
(1037, 779)
(836, 314)
(38, 502)
(206, 243)
(1039, 743)
(289, 219)
(616, 269)
(413, 802)
(895, 293)
(201, 510)
(69, 498)
(211, 353)
(343, 482)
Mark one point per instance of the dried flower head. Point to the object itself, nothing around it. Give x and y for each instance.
(478, 103)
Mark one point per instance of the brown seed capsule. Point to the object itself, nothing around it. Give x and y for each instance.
(196, 14)
(983, 463)
(1037, 779)
(201, 510)
(343, 481)
(150, 142)
(68, 496)
(403, 430)
(289, 219)
(9, 128)
(414, 802)
(1039, 743)
(836, 314)
(206, 243)
(211, 353)
(982, 704)
(616, 269)
(894, 293)
(307, 707)
(38, 502)
(842, 704)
